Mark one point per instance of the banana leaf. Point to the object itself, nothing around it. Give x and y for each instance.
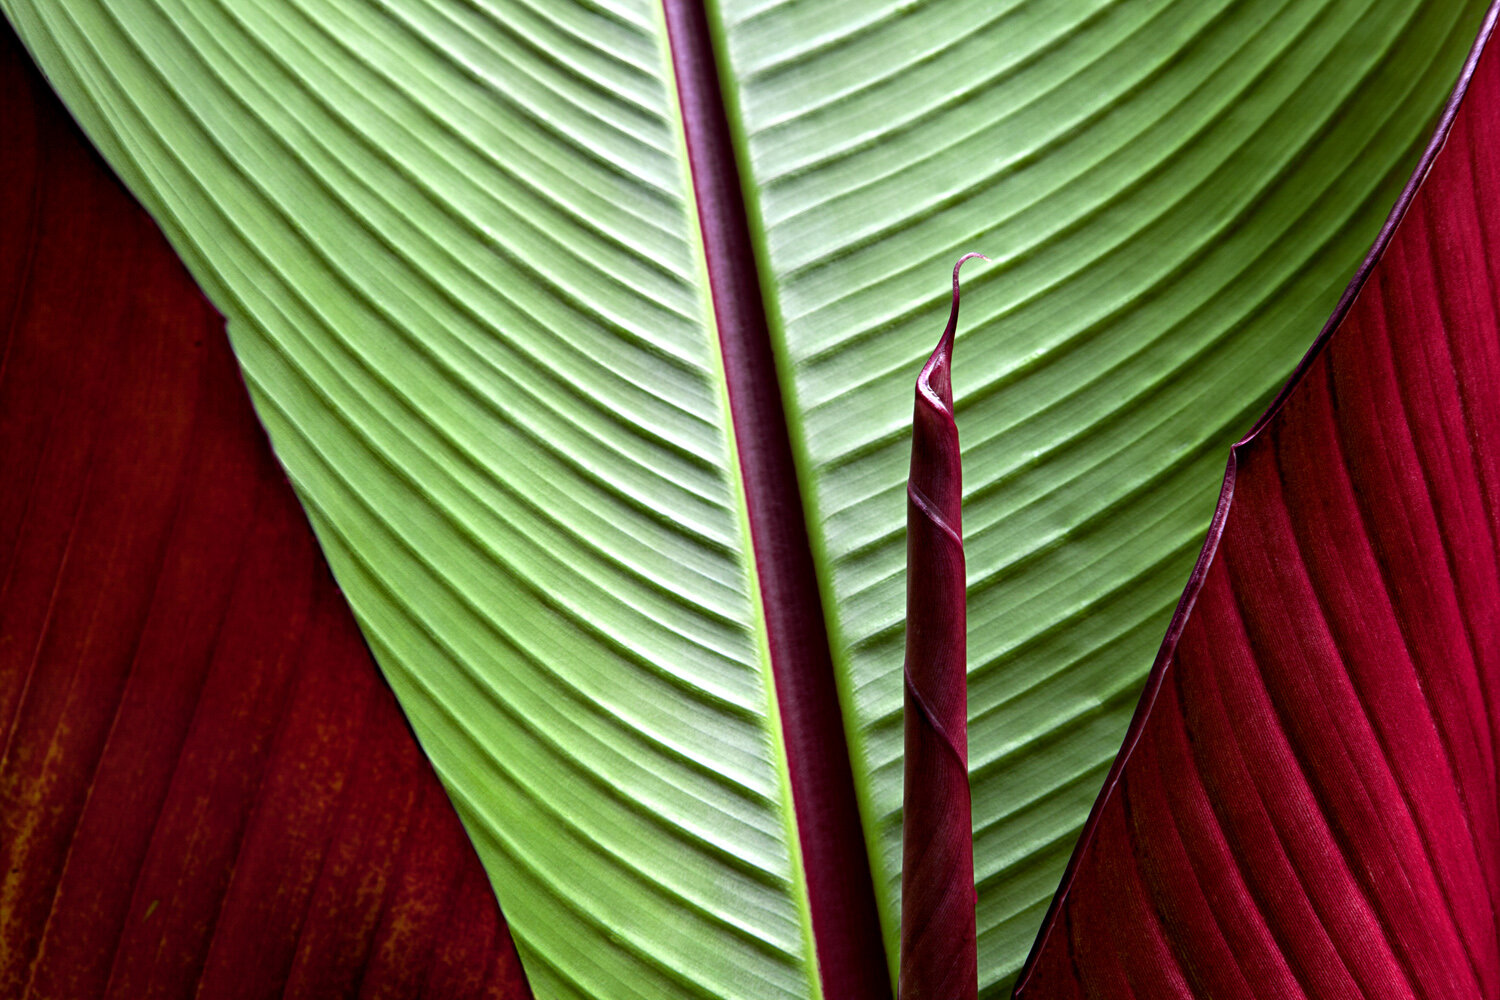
(544, 305)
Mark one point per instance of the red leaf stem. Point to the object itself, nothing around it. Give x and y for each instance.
(841, 892)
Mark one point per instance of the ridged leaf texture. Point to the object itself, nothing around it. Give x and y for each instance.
(459, 250)
(1307, 802)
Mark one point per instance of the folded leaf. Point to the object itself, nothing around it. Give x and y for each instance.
(938, 957)
(1306, 805)
(206, 788)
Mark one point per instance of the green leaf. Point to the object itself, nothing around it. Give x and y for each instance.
(456, 242)
(472, 323)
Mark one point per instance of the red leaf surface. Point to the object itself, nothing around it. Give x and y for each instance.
(938, 948)
(1306, 803)
(206, 788)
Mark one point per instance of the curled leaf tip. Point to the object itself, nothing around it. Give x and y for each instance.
(968, 256)
(938, 363)
(952, 326)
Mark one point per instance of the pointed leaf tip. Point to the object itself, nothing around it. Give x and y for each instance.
(952, 326)
(937, 367)
(938, 953)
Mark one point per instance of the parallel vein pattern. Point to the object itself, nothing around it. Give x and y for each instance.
(1173, 192)
(460, 274)
(1307, 805)
(206, 788)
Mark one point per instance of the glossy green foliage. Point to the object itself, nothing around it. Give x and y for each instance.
(457, 247)
(460, 277)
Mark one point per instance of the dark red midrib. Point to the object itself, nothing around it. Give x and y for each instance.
(846, 924)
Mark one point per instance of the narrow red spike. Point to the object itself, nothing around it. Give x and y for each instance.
(938, 953)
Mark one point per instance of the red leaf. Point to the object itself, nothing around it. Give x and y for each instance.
(206, 788)
(938, 955)
(1306, 803)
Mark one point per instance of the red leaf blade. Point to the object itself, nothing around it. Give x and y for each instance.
(206, 788)
(1306, 803)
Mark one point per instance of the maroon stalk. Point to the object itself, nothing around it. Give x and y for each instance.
(938, 954)
(841, 893)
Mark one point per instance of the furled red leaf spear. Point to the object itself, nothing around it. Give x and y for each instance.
(938, 952)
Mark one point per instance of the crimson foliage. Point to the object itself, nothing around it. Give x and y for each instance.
(206, 788)
(1306, 805)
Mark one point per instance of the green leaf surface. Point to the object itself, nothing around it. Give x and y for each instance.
(471, 318)
(457, 247)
